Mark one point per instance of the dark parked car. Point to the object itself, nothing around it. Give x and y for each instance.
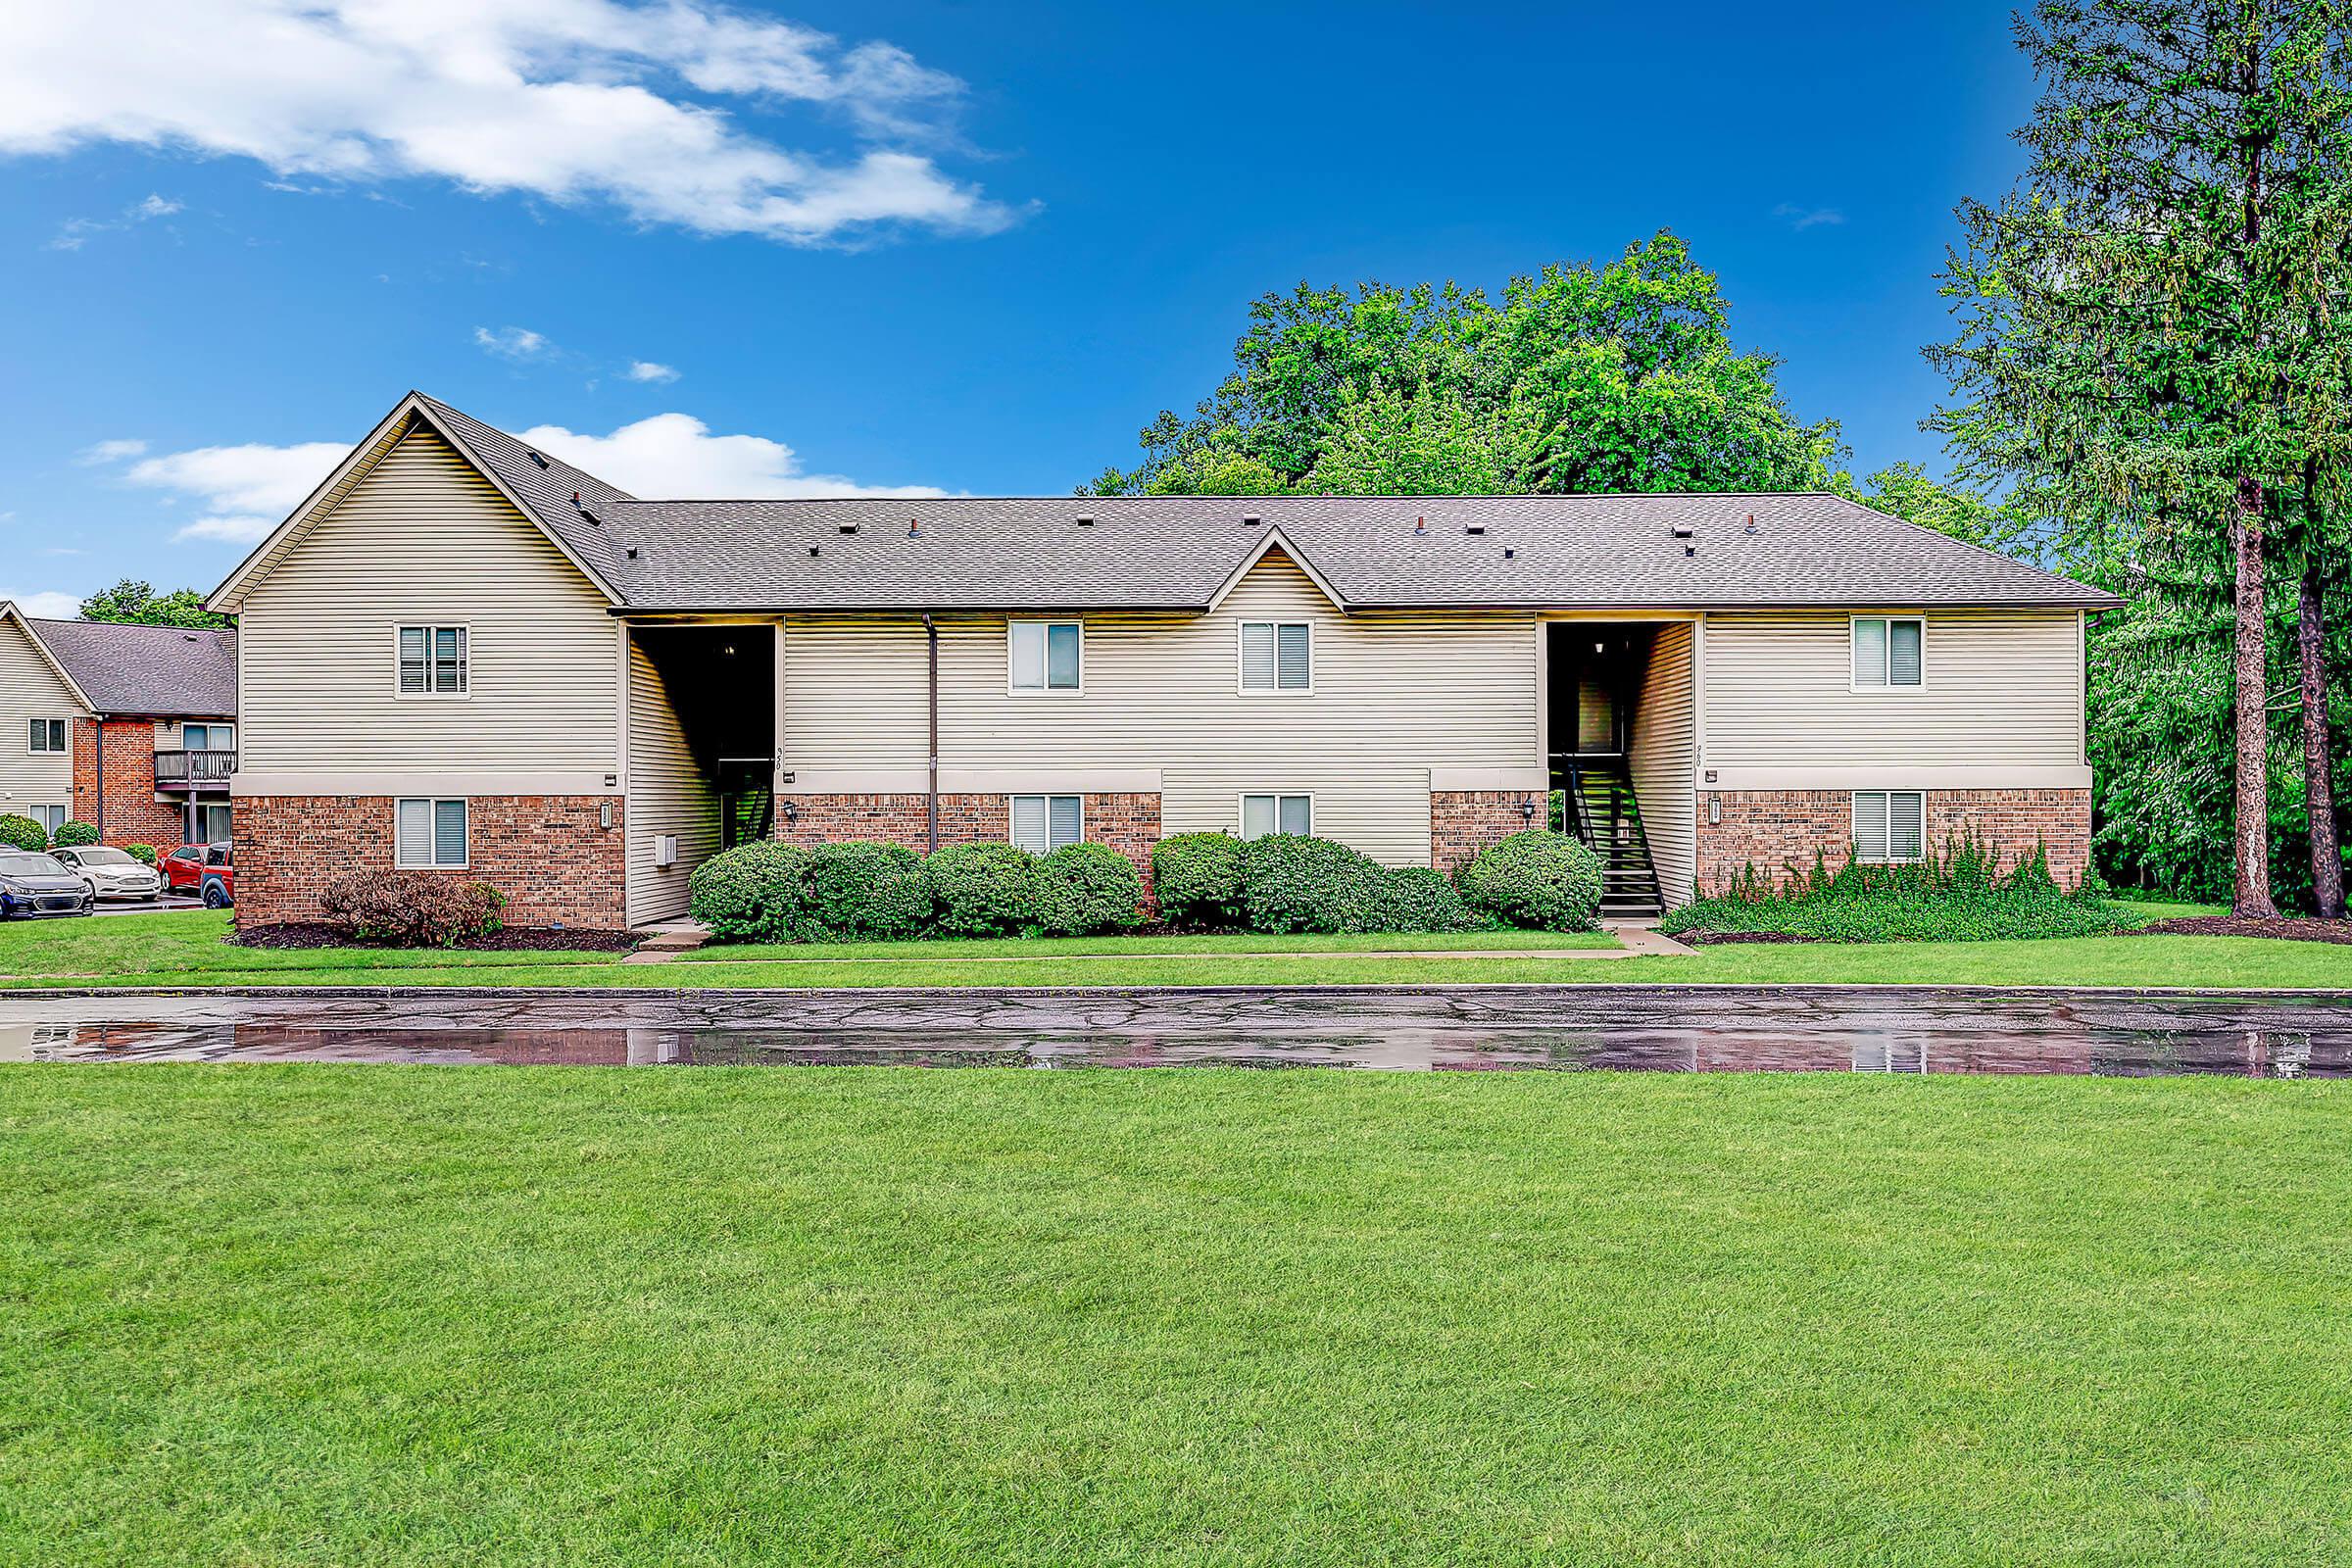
(207, 870)
(36, 884)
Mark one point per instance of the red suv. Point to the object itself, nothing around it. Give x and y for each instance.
(207, 870)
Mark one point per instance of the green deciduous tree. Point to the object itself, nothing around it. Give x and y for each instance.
(138, 604)
(2149, 323)
(1616, 378)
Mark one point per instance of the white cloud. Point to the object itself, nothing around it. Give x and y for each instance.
(75, 233)
(575, 101)
(102, 451)
(676, 457)
(47, 605)
(244, 491)
(649, 370)
(1804, 217)
(512, 342)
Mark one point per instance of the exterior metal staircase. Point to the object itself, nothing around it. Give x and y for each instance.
(1602, 811)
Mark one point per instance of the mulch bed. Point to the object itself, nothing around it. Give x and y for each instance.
(513, 939)
(2230, 925)
(1710, 939)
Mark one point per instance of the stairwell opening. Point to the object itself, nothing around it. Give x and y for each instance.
(1620, 753)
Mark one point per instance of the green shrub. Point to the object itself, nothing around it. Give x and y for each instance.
(1960, 893)
(410, 909)
(70, 834)
(1539, 879)
(1087, 888)
(1293, 883)
(23, 832)
(1415, 897)
(858, 889)
(1196, 879)
(144, 853)
(982, 890)
(756, 892)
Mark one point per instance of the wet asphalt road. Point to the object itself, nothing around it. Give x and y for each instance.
(1660, 1029)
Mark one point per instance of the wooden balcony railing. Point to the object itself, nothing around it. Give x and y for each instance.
(194, 770)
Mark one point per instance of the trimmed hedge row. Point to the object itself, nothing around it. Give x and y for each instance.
(1281, 883)
(23, 832)
(858, 891)
(1286, 882)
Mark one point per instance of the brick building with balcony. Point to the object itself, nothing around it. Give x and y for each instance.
(132, 729)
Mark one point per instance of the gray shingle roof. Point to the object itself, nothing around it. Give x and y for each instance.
(543, 483)
(1175, 552)
(158, 671)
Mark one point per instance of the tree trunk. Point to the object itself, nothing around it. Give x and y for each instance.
(2251, 896)
(2327, 860)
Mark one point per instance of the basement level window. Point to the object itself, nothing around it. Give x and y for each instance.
(433, 661)
(1046, 655)
(1887, 651)
(1262, 814)
(1889, 825)
(1043, 823)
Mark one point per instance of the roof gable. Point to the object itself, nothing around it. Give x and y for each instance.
(538, 487)
(11, 615)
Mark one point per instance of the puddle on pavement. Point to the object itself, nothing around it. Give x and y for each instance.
(2188, 1045)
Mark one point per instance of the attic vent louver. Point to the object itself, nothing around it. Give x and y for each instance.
(1083, 521)
(536, 458)
(849, 527)
(1474, 530)
(1251, 520)
(592, 517)
(1681, 530)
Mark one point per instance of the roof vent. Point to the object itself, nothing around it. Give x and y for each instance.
(1420, 527)
(1690, 550)
(914, 529)
(536, 458)
(632, 551)
(1474, 530)
(575, 498)
(1251, 520)
(1751, 524)
(849, 527)
(813, 552)
(590, 516)
(1083, 519)
(1508, 552)
(1681, 530)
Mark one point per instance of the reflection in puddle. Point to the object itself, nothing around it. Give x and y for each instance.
(1712, 1036)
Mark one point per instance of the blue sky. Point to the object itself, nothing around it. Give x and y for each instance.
(958, 246)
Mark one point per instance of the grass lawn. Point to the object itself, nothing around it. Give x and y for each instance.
(385, 1315)
(186, 950)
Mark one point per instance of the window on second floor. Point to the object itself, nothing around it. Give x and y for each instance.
(1887, 651)
(1045, 653)
(48, 735)
(209, 737)
(432, 661)
(1277, 655)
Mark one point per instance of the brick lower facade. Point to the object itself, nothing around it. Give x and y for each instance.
(118, 799)
(1773, 830)
(1462, 823)
(1129, 823)
(548, 854)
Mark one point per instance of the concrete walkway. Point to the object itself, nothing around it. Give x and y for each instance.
(1633, 940)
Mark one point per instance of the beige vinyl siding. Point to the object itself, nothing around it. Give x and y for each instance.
(30, 689)
(667, 794)
(424, 539)
(1395, 695)
(2001, 688)
(1661, 754)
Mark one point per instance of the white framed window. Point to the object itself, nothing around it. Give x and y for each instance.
(48, 735)
(428, 834)
(1043, 823)
(1889, 825)
(1889, 651)
(1262, 814)
(1045, 655)
(207, 737)
(1278, 656)
(433, 661)
(51, 818)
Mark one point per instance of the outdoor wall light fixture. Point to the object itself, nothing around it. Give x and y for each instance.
(1527, 809)
(1714, 809)
(792, 812)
